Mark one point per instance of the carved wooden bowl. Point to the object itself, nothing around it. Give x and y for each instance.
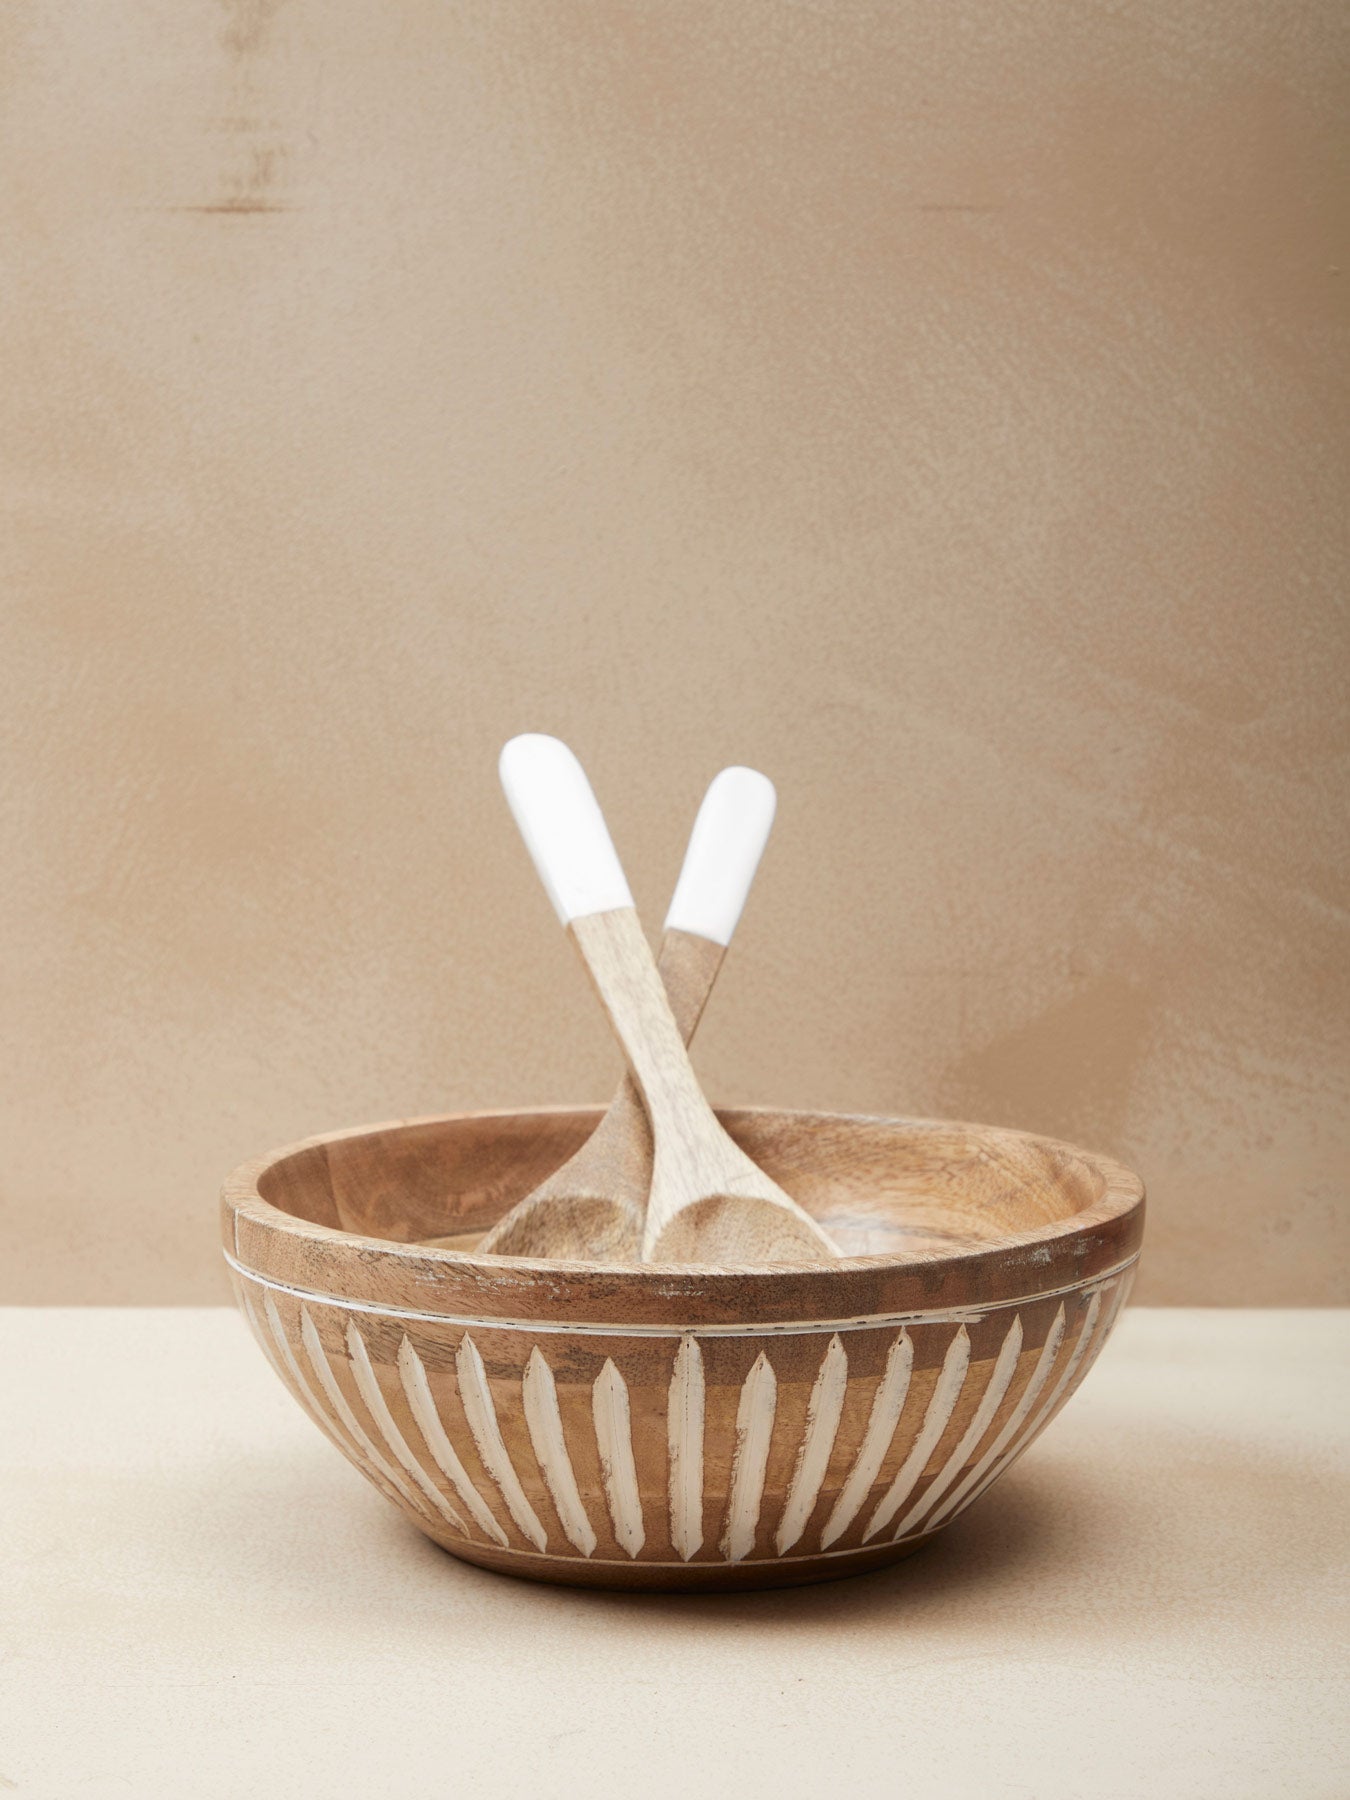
(672, 1426)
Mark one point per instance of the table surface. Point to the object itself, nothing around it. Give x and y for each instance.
(199, 1597)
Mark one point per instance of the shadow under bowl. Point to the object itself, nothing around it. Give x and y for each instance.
(673, 1426)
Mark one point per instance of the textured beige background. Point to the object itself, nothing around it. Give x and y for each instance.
(938, 406)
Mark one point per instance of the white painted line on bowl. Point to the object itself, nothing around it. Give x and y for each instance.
(961, 1315)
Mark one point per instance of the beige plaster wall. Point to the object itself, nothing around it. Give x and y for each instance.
(940, 406)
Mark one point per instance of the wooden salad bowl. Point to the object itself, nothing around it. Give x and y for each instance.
(672, 1426)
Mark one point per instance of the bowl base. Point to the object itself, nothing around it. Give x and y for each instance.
(683, 1578)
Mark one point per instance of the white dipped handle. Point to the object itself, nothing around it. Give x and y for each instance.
(563, 828)
(725, 846)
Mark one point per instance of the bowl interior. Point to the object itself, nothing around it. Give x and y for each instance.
(880, 1186)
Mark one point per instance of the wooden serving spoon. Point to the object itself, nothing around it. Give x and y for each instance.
(594, 1206)
(708, 1202)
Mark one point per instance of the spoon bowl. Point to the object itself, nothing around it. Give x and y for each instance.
(734, 1230)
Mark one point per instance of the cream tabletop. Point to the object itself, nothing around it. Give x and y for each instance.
(200, 1599)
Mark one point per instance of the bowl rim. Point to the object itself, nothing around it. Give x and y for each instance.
(277, 1249)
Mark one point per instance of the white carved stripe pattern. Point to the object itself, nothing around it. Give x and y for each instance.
(684, 1436)
(941, 1405)
(1044, 1363)
(481, 1412)
(887, 1405)
(265, 1344)
(341, 1426)
(985, 1476)
(378, 1407)
(1005, 1367)
(543, 1420)
(282, 1359)
(417, 1389)
(618, 1469)
(323, 1369)
(813, 1458)
(754, 1439)
(1092, 1334)
(984, 1449)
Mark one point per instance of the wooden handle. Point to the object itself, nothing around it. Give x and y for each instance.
(566, 835)
(623, 971)
(688, 966)
(695, 1164)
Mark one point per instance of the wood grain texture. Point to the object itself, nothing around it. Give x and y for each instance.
(887, 1405)
(756, 1412)
(942, 1403)
(595, 1206)
(441, 1450)
(823, 1411)
(672, 1426)
(614, 1441)
(368, 1386)
(1010, 1427)
(539, 1393)
(708, 1202)
(685, 1416)
(480, 1411)
(996, 1385)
